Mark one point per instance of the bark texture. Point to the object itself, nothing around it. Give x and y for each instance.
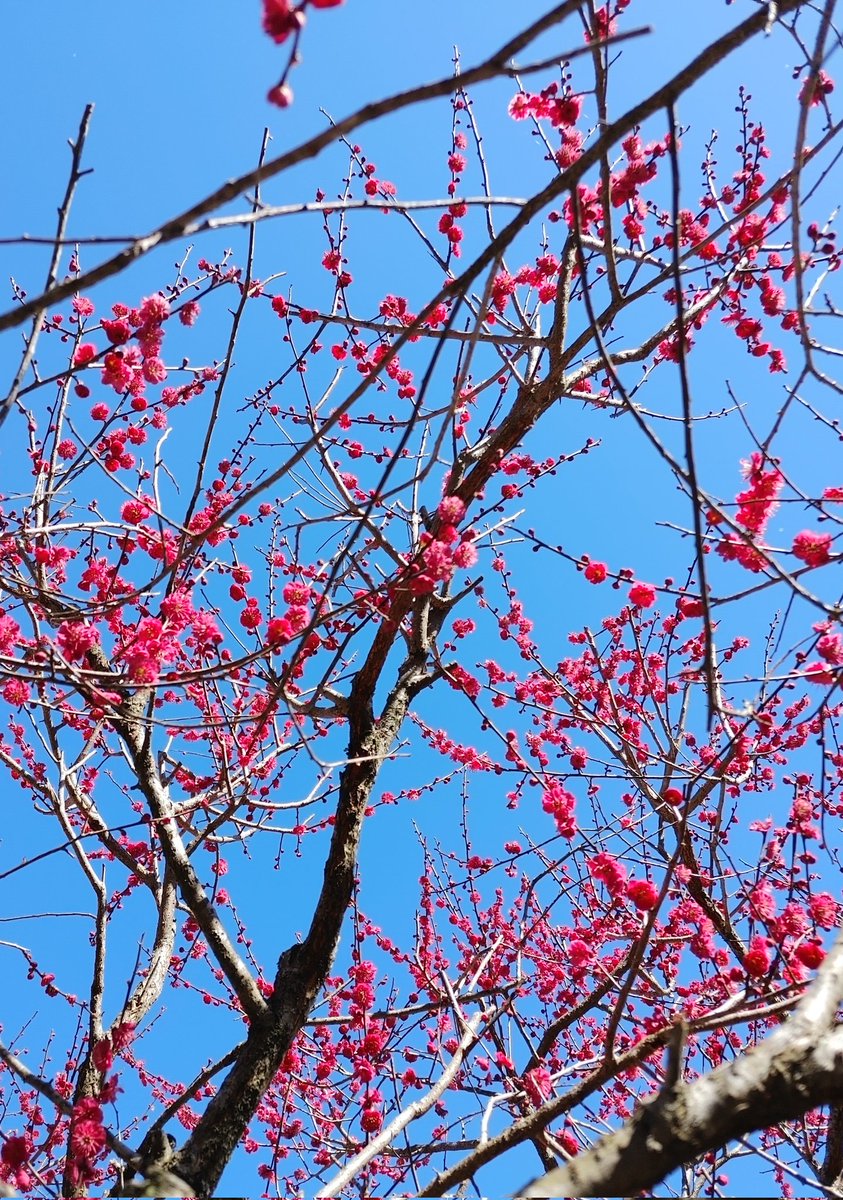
(797, 1068)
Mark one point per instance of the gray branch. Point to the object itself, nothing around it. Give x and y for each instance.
(797, 1068)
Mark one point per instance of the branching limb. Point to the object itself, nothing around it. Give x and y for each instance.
(411, 1113)
(795, 1069)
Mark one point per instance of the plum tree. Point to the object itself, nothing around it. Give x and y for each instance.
(380, 822)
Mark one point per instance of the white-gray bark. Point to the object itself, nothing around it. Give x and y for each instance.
(795, 1069)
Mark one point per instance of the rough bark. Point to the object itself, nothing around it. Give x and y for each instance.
(797, 1068)
(302, 968)
(831, 1173)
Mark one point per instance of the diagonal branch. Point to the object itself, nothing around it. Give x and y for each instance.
(303, 967)
(411, 1113)
(178, 227)
(797, 1068)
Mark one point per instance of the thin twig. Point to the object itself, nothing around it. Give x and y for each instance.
(39, 311)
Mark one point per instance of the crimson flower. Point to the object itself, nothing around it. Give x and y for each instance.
(812, 548)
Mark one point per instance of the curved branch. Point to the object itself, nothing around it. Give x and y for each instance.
(797, 1068)
(178, 227)
(303, 968)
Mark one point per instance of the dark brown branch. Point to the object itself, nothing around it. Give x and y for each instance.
(302, 968)
(831, 1172)
(178, 227)
(713, 686)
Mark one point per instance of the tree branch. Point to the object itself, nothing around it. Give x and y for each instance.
(797, 1068)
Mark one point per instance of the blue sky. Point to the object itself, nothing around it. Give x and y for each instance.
(179, 93)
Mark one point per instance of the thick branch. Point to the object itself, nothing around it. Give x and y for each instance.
(302, 968)
(151, 985)
(797, 1068)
